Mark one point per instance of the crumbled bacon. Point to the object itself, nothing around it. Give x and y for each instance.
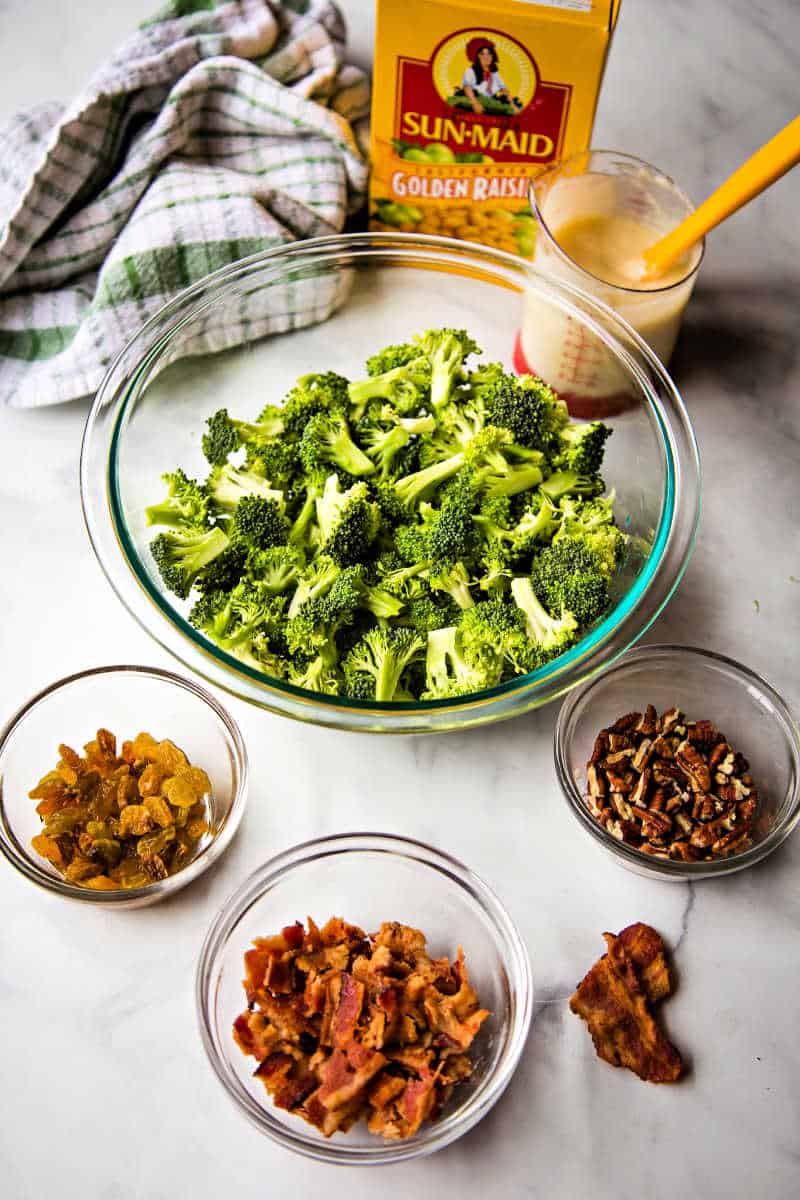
(346, 1026)
(613, 999)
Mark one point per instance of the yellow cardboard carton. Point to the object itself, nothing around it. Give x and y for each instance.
(470, 101)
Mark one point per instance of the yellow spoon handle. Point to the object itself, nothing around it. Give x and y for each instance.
(774, 159)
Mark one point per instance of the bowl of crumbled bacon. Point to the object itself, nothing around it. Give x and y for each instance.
(370, 1042)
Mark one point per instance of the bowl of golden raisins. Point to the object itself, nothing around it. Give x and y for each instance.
(119, 785)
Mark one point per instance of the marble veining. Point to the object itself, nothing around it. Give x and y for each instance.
(109, 1096)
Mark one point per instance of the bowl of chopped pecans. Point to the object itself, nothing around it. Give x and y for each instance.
(681, 763)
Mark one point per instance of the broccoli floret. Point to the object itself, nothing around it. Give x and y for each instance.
(537, 524)
(227, 485)
(581, 447)
(447, 672)
(454, 580)
(277, 461)
(570, 483)
(319, 620)
(318, 674)
(313, 394)
(259, 655)
(412, 488)
(384, 655)
(326, 439)
(423, 613)
(592, 523)
(452, 534)
(224, 435)
(277, 569)
(348, 522)
(553, 635)
(446, 350)
(315, 580)
(181, 554)
(493, 639)
(500, 466)
(220, 438)
(391, 357)
(392, 575)
(405, 386)
(211, 614)
(186, 503)
(254, 609)
(568, 577)
(385, 445)
(259, 523)
(225, 571)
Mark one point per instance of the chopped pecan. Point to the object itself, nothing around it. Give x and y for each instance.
(600, 744)
(621, 806)
(642, 755)
(675, 787)
(646, 724)
(639, 793)
(623, 724)
(619, 756)
(694, 767)
(596, 782)
(619, 783)
(717, 754)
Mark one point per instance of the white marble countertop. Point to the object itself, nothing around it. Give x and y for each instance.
(108, 1094)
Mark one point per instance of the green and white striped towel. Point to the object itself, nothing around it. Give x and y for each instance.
(217, 130)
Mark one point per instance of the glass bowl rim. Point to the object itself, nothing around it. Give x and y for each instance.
(667, 868)
(551, 169)
(516, 962)
(670, 417)
(19, 858)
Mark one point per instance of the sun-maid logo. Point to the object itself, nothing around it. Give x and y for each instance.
(484, 72)
(478, 100)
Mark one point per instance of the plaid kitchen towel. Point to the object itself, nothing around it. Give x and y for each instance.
(217, 130)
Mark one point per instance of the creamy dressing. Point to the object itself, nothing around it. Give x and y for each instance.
(594, 233)
(612, 247)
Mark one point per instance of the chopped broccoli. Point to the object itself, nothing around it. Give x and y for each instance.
(446, 350)
(227, 485)
(447, 672)
(568, 576)
(259, 523)
(224, 435)
(348, 522)
(570, 483)
(391, 357)
(311, 395)
(186, 503)
(553, 635)
(455, 581)
(276, 568)
(494, 640)
(385, 445)
(412, 488)
(383, 654)
(318, 577)
(405, 386)
(428, 531)
(581, 447)
(326, 439)
(181, 554)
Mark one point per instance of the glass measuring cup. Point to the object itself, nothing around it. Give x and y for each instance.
(602, 184)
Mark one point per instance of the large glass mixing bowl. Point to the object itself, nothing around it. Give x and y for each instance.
(241, 338)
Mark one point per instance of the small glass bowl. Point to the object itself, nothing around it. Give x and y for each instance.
(368, 878)
(703, 685)
(125, 700)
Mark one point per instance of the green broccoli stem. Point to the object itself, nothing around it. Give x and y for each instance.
(541, 628)
(411, 488)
